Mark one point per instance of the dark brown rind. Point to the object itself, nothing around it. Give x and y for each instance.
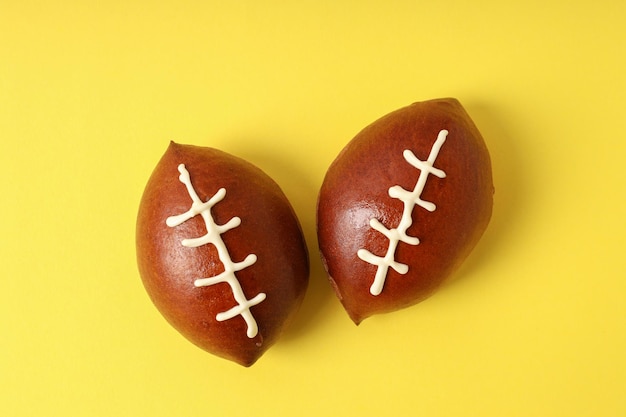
(355, 190)
(269, 229)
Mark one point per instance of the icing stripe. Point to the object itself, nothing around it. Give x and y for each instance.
(410, 200)
(213, 236)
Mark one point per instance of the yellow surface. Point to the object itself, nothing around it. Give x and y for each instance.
(91, 92)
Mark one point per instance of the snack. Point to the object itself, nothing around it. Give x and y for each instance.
(402, 206)
(220, 251)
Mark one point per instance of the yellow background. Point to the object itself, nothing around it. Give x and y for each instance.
(534, 324)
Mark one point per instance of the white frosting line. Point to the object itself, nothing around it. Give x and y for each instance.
(213, 236)
(410, 200)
